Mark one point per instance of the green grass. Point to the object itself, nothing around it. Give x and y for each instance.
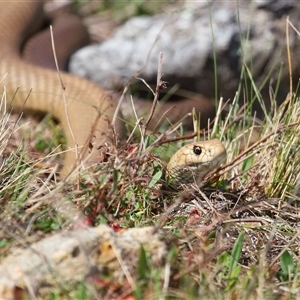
(236, 237)
(121, 11)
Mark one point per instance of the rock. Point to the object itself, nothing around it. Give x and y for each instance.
(70, 257)
(251, 34)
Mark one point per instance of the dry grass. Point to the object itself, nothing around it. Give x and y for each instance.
(235, 237)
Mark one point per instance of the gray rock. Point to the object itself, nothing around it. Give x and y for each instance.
(246, 34)
(70, 257)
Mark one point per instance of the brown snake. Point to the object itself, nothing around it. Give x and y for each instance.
(90, 110)
(193, 161)
(84, 100)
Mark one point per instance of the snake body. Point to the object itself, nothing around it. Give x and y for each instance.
(87, 123)
(90, 109)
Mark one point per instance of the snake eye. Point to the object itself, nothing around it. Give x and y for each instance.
(197, 150)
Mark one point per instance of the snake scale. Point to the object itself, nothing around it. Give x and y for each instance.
(90, 109)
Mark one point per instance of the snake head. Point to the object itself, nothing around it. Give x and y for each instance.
(193, 161)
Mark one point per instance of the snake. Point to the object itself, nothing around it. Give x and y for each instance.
(192, 162)
(85, 111)
(90, 110)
